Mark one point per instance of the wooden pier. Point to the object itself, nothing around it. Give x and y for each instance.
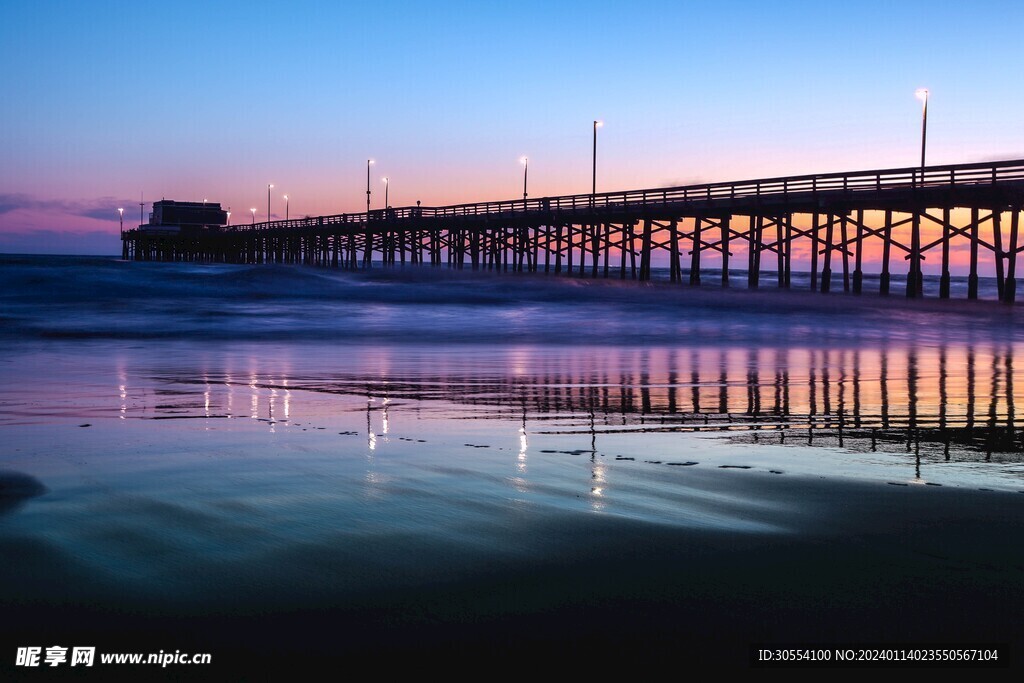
(828, 225)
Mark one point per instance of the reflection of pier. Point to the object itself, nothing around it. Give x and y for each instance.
(850, 397)
(948, 399)
(823, 224)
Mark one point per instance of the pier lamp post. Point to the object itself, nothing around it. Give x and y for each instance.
(368, 163)
(120, 213)
(915, 279)
(286, 207)
(229, 219)
(253, 209)
(593, 177)
(269, 188)
(922, 94)
(525, 161)
(387, 186)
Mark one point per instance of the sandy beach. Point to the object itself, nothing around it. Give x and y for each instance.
(278, 503)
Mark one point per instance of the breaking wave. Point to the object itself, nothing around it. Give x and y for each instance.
(97, 298)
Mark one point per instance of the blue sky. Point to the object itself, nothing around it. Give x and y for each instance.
(187, 100)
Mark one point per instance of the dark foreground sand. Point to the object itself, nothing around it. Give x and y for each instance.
(854, 563)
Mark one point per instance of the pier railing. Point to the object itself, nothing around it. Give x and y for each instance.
(849, 183)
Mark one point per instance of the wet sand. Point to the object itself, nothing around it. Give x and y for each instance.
(278, 507)
(850, 563)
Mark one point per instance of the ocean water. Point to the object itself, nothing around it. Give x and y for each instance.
(284, 465)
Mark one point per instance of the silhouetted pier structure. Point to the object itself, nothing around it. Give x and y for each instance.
(822, 223)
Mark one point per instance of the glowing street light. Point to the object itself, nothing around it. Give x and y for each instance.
(368, 163)
(269, 188)
(286, 207)
(922, 94)
(229, 219)
(593, 184)
(253, 209)
(120, 213)
(525, 161)
(387, 185)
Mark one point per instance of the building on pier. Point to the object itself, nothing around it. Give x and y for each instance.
(170, 216)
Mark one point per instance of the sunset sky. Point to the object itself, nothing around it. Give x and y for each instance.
(192, 100)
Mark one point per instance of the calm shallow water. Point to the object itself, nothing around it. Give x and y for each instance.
(391, 472)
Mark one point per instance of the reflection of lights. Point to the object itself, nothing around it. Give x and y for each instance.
(384, 416)
(287, 400)
(231, 395)
(523, 444)
(273, 395)
(371, 437)
(597, 476)
(255, 397)
(206, 396)
(123, 387)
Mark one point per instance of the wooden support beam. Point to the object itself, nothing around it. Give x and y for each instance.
(1010, 287)
(695, 254)
(826, 268)
(787, 280)
(570, 239)
(632, 251)
(645, 253)
(883, 278)
(547, 247)
(725, 227)
(780, 253)
(607, 246)
(536, 232)
(858, 269)
(673, 257)
(752, 248)
(815, 234)
(627, 227)
(844, 240)
(972, 276)
(944, 279)
(997, 240)
(584, 247)
(368, 250)
(558, 248)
